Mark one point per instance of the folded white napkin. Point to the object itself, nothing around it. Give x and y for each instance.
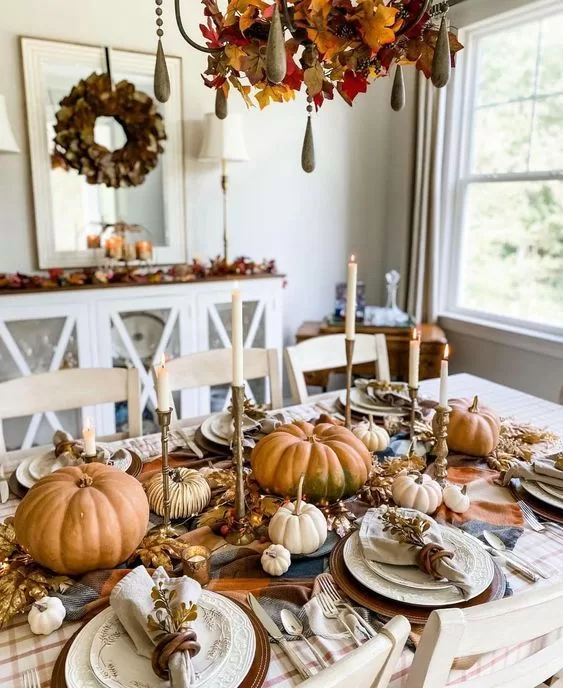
(383, 547)
(132, 602)
(542, 471)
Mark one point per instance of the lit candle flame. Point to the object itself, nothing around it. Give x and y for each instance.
(163, 360)
(88, 423)
(446, 352)
(414, 334)
(353, 258)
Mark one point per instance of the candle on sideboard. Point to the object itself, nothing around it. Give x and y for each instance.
(162, 386)
(144, 250)
(93, 241)
(236, 337)
(444, 371)
(89, 437)
(414, 359)
(351, 298)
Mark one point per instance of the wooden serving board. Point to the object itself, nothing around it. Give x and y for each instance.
(536, 505)
(389, 608)
(254, 678)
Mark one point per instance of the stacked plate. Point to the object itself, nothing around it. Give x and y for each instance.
(409, 585)
(362, 404)
(218, 428)
(102, 654)
(548, 494)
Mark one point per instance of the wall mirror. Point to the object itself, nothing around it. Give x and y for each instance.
(67, 208)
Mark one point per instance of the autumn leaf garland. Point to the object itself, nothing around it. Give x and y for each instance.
(350, 44)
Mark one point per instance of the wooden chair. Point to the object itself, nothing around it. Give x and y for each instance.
(215, 368)
(63, 390)
(321, 353)
(369, 666)
(451, 633)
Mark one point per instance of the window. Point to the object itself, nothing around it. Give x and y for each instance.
(507, 224)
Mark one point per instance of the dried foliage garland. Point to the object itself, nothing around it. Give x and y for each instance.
(75, 143)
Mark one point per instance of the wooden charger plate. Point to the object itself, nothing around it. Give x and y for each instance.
(254, 678)
(382, 605)
(537, 506)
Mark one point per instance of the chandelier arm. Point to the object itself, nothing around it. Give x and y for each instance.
(425, 8)
(182, 30)
(289, 24)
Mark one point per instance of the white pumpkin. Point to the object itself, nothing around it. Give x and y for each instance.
(299, 527)
(46, 615)
(374, 437)
(416, 492)
(276, 560)
(456, 498)
(189, 493)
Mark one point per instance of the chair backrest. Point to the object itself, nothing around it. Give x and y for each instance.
(328, 353)
(369, 666)
(451, 633)
(72, 388)
(215, 368)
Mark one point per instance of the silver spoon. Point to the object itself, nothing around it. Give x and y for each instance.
(496, 543)
(293, 626)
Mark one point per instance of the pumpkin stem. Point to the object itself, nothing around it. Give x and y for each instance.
(85, 480)
(474, 408)
(370, 418)
(299, 495)
(464, 490)
(419, 479)
(40, 607)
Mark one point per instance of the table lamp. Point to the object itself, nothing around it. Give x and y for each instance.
(223, 142)
(7, 140)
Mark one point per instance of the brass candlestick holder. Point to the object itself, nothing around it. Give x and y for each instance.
(413, 394)
(349, 362)
(241, 533)
(441, 421)
(166, 528)
(98, 457)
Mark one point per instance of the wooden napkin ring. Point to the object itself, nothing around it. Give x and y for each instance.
(168, 645)
(430, 556)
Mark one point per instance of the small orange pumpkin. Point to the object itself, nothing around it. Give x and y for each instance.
(82, 518)
(335, 462)
(474, 429)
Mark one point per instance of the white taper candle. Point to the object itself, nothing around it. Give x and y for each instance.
(444, 372)
(162, 386)
(414, 359)
(236, 336)
(351, 298)
(89, 437)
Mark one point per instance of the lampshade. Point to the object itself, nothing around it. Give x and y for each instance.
(7, 141)
(223, 139)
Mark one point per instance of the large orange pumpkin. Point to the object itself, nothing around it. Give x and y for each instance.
(335, 462)
(474, 428)
(82, 518)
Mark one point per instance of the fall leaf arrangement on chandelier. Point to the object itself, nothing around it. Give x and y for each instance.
(347, 44)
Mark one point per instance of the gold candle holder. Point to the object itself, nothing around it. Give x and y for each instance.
(441, 421)
(196, 563)
(349, 362)
(99, 457)
(241, 532)
(413, 394)
(166, 528)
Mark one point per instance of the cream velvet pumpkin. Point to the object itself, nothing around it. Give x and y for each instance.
(373, 436)
(82, 518)
(456, 498)
(299, 527)
(46, 615)
(189, 493)
(416, 492)
(276, 560)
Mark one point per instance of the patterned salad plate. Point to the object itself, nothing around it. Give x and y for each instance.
(472, 557)
(543, 492)
(104, 654)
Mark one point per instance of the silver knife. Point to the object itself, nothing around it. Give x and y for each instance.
(277, 635)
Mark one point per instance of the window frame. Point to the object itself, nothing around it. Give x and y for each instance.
(459, 127)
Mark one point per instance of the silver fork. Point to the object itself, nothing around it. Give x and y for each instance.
(330, 589)
(330, 611)
(31, 679)
(534, 523)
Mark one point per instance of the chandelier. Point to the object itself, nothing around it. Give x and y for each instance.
(270, 51)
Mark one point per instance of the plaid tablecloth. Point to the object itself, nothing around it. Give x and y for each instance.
(20, 649)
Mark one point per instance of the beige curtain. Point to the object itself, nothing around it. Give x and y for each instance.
(426, 239)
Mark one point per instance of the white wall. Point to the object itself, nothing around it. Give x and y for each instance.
(309, 223)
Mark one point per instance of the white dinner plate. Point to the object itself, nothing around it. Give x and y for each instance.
(379, 411)
(223, 630)
(552, 490)
(216, 427)
(539, 493)
(207, 431)
(473, 558)
(23, 475)
(408, 576)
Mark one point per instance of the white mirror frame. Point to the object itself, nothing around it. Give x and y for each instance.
(35, 54)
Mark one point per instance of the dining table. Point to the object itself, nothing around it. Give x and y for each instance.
(20, 649)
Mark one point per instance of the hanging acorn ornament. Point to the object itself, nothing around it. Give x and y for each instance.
(276, 60)
(441, 62)
(221, 104)
(308, 150)
(398, 95)
(161, 76)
